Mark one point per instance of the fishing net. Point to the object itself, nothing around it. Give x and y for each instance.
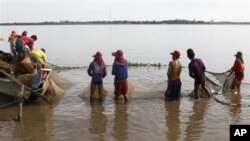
(57, 86)
(217, 83)
(86, 92)
(224, 94)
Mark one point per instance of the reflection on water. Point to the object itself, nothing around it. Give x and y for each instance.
(196, 120)
(172, 120)
(120, 128)
(36, 125)
(148, 117)
(97, 121)
(235, 110)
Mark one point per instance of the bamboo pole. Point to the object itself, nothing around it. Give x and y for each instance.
(20, 104)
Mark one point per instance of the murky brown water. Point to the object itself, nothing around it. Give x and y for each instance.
(145, 117)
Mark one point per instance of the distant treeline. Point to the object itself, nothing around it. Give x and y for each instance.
(176, 21)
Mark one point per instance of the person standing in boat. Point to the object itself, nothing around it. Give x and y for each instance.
(197, 72)
(12, 41)
(38, 58)
(97, 70)
(23, 40)
(174, 82)
(120, 71)
(29, 41)
(238, 70)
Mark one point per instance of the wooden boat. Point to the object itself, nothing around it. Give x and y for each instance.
(12, 87)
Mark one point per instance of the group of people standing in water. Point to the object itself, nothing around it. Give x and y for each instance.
(97, 70)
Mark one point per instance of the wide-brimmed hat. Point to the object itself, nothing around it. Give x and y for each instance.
(176, 53)
(239, 54)
(118, 53)
(98, 54)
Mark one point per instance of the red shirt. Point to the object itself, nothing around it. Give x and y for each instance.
(28, 41)
(238, 66)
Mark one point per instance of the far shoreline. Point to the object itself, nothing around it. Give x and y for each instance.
(165, 22)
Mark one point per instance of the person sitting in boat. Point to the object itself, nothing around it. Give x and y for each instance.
(38, 58)
(238, 70)
(174, 82)
(97, 70)
(12, 41)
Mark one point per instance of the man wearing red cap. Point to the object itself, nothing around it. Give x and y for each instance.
(120, 71)
(97, 70)
(174, 82)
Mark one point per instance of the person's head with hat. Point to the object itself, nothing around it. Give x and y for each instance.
(98, 58)
(190, 53)
(239, 55)
(119, 56)
(175, 55)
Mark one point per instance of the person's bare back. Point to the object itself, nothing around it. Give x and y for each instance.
(174, 70)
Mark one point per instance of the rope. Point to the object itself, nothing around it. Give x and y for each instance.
(26, 87)
(5, 105)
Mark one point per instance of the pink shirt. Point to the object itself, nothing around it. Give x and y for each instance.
(28, 41)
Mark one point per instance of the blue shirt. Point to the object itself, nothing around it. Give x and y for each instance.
(120, 71)
(98, 72)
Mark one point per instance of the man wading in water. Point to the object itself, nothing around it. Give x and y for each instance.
(97, 70)
(197, 72)
(120, 71)
(174, 82)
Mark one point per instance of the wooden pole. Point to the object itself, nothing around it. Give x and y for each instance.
(20, 104)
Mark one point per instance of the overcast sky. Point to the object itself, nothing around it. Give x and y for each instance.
(90, 10)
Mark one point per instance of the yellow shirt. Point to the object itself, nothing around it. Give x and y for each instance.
(39, 53)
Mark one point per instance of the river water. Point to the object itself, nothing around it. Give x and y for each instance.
(146, 116)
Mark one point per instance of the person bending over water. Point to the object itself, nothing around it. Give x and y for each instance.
(197, 72)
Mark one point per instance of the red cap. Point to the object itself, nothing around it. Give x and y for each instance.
(176, 54)
(118, 53)
(97, 54)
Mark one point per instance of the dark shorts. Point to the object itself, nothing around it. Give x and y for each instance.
(121, 87)
(174, 89)
(239, 76)
(97, 83)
